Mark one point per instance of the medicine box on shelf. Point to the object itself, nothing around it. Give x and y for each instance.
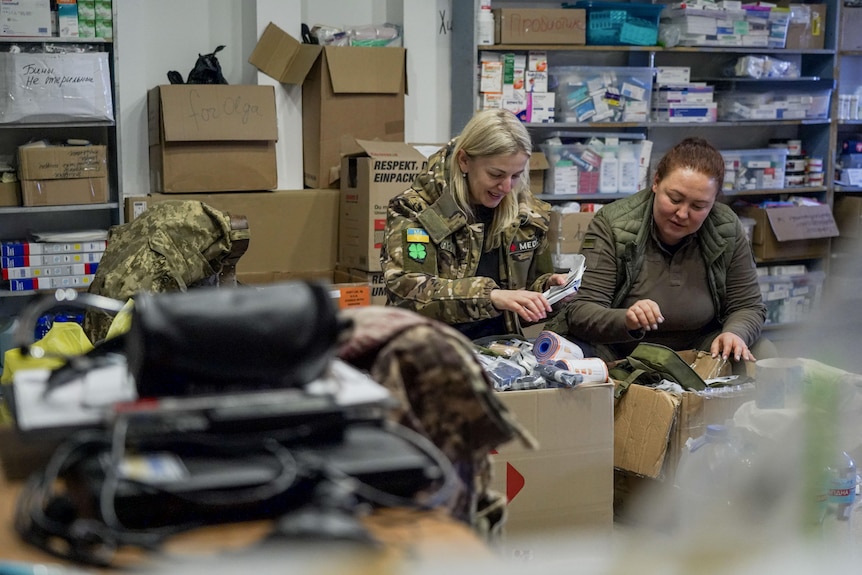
(791, 298)
(617, 23)
(759, 169)
(602, 94)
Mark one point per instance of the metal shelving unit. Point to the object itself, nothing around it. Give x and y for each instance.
(20, 221)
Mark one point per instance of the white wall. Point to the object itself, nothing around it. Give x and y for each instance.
(156, 36)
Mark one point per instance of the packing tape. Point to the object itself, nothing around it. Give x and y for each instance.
(550, 346)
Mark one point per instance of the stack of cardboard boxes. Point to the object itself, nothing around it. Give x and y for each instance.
(216, 143)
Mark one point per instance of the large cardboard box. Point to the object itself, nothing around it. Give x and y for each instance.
(807, 28)
(63, 175)
(540, 26)
(212, 138)
(372, 174)
(796, 232)
(293, 232)
(567, 484)
(347, 92)
(567, 230)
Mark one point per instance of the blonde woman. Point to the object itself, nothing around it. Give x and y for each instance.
(467, 243)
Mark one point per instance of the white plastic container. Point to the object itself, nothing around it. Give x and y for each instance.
(485, 26)
(629, 170)
(609, 173)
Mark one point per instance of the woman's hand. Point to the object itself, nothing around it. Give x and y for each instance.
(643, 314)
(727, 344)
(531, 306)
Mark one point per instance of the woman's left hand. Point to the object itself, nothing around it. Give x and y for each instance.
(729, 344)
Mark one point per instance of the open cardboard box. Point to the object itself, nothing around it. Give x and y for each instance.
(346, 90)
(793, 232)
(372, 173)
(652, 426)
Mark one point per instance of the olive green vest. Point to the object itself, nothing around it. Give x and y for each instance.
(631, 222)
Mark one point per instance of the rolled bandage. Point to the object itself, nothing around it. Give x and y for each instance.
(550, 347)
(592, 369)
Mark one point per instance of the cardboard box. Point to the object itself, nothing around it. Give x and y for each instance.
(64, 192)
(807, 28)
(797, 232)
(538, 166)
(374, 173)
(651, 426)
(851, 23)
(567, 231)
(347, 92)
(63, 175)
(848, 216)
(212, 138)
(540, 26)
(62, 162)
(10, 194)
(25, 18)
(567, 484)
(293, 232)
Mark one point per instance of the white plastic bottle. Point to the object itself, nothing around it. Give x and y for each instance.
(629, 170)
(609, 172)
(485, 25)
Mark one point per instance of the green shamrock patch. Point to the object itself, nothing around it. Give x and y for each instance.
(417, 252)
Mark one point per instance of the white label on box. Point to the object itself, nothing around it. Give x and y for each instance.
(673, 75)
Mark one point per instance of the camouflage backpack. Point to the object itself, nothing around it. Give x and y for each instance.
(172, 246)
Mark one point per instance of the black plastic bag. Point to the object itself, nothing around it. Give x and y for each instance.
(207, 70)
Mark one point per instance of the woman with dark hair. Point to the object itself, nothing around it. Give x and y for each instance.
(467, 243)
(669, 265)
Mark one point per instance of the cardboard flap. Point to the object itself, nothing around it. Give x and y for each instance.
(360, 70)
(383, 150)
(282, 57)
(802, 222)
(192, 113)
(643, 419)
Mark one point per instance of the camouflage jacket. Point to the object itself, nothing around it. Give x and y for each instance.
(430, 252)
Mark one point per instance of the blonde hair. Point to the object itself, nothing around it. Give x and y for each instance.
(491, 133)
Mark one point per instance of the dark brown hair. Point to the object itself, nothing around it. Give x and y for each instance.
(696, 154)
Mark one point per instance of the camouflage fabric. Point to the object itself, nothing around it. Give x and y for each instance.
(444, 394)
(430, 252)
(170, 247)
